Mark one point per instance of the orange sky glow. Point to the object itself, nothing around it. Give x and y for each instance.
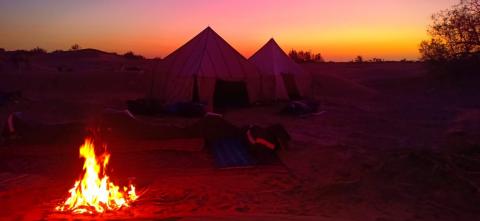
(338, 29)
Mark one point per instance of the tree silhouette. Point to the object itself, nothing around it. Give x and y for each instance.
(358, 59)
(305, 56)
(454, 34)
(75, 47)
(317, 58)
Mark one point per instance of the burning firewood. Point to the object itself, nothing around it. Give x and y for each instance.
(94, 192)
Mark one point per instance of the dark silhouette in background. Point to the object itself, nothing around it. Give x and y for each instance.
(358, 59)
(75, 47)
(305, 56)
(454, 41)
(131, 55)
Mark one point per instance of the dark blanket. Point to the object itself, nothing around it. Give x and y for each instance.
(18, 128)
(148, 107)
(186, 109)
(9, 97)
(298, 108)
(151, 107)
(253, 146)
(272, 138)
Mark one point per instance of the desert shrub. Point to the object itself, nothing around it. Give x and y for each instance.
(376, 60)
(38, 50)
(131, 55)
(75, 47)
(358, 59)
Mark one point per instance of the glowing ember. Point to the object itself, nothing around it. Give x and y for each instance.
(93, 192)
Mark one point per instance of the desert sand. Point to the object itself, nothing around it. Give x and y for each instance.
(393, 143)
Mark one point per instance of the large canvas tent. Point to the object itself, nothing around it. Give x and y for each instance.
(282, 77)
(207, 69)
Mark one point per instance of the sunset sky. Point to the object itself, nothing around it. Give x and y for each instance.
(339, 29)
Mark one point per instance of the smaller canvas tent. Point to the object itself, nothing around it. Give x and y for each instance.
(207, 69)
(282, 78)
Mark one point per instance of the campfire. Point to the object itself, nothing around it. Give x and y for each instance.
(93, 192)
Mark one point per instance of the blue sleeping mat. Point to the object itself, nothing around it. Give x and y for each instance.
(231, 153)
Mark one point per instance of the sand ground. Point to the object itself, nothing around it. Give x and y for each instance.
(382, 150)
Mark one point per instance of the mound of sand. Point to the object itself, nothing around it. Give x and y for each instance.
(329, 85)
(463, 133)
(369, 73)
(78, 61)
(425, 180)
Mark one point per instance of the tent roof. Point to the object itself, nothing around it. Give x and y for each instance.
(271, 59)
(209, 55)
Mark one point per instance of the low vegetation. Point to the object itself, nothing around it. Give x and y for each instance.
(75, 47)
(131, 55)
(38, 50)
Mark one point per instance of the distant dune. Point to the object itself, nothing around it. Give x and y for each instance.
(329, 83)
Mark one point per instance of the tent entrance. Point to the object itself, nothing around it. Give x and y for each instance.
(230, 94)
(291, 86)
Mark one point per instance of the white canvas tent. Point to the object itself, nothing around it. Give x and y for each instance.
(196, 70)
(282, 78)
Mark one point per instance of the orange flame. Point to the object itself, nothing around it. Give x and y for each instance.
(93, 192)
